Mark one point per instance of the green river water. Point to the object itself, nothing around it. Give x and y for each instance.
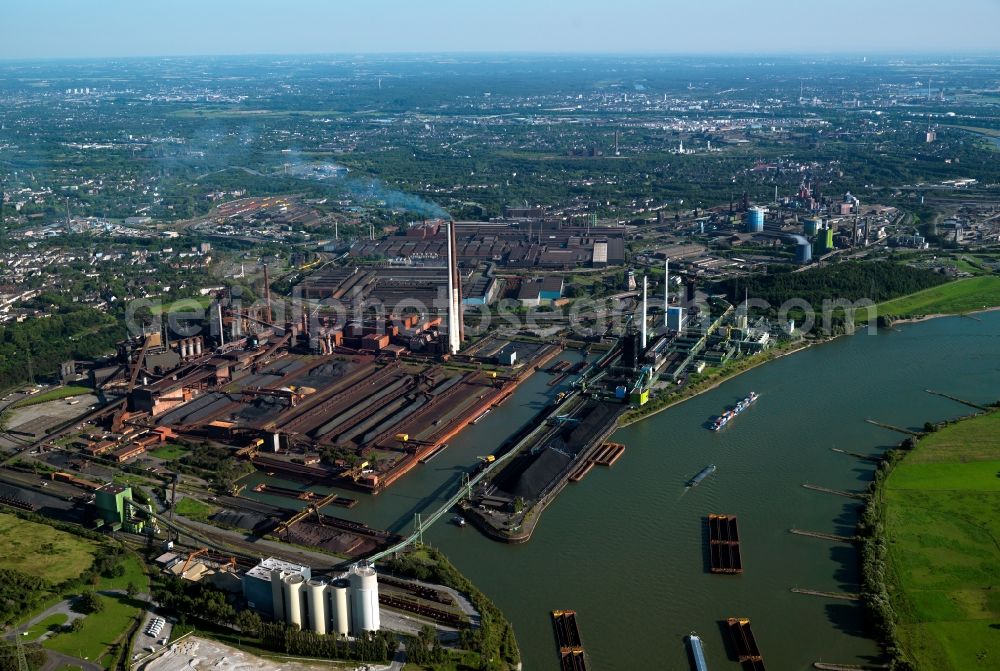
(625, 547)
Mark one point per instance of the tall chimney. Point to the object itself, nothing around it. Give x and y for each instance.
(666, 290)
(267, 295)
(222, 332)
(454, 334)
(645, 283)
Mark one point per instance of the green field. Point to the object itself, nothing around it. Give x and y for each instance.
(961, 296)
(943, 525)
(53, 395)
(169, 452)
(38, 549)
(194, 509)
(51, 622)
(101, 630)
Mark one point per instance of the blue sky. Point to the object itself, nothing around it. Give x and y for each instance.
(87, 28)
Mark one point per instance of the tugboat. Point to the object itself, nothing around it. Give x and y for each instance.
(458, 521)
(730, 415)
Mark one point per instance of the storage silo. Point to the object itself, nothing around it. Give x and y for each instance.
(340, 613)
(755, 220)
(317, 606)
(277, 598)
(364, 599)
(803, 250)
(293, 599)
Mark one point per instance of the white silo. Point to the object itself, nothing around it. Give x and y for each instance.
(293, 599)
(364, 599)
(340, 613)
(277, 599)
(317, 606)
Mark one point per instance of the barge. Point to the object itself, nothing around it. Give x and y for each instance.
(729, 415)
(724, 544)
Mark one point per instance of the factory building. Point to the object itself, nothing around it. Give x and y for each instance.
(676, 318)
(345, 606)
(261, 593)
(755, 220)
(812, 226)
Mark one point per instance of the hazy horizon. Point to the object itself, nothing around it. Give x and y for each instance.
(65, 29)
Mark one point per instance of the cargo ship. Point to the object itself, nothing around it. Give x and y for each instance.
(702, 474)
(729, 415)
(697, 652)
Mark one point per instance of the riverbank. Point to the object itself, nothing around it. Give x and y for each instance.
(952, 299)
(930, 562)
(715, 380)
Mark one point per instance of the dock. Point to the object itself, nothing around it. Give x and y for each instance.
(724, 544)
(745, 644)
(331, 500)
(568, 642)
(605, 455)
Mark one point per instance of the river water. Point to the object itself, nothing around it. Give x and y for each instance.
(625, 548)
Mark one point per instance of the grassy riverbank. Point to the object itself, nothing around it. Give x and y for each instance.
(971, 294)
(932, 561)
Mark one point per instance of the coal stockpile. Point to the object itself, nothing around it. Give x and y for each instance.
(246, 520)
(324, 375)
(530, 475)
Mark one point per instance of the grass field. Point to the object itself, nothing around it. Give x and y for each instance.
(960, 296)
(943, 524)
(194, 509)
(169, 452)
(101, 630)
(51, 622)
(53, 395)
(38, 549)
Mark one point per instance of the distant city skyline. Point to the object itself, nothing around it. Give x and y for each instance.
(123, 28)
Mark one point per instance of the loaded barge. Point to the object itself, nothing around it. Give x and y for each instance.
(724, 544)
(571, 654)
(745, 644)
(729, 415)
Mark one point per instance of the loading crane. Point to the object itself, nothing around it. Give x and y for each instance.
(119, 416)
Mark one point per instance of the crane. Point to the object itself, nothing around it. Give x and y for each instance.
(119, 417)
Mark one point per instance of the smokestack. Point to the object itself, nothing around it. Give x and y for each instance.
(454, 294)
(222, 333)
(645, 283)
(666, 290)
(267, 295)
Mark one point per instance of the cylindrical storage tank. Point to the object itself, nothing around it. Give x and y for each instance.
(277, 598)
(317, 606)
(755, 220)
(184, 349)
(364, 599)
(812, 225)
(199, 345)
(293, 599)
(340, 613)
